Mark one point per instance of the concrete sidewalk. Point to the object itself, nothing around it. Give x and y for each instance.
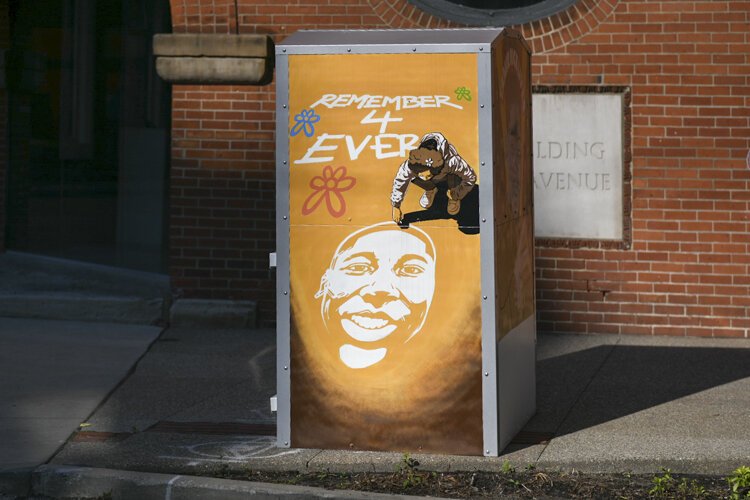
(197, 404)
(53, 375)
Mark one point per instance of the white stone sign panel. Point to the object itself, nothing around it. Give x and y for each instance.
(578, 162)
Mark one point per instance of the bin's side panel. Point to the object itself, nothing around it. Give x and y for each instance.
(385, 318)
(283, 327)
(514, 240)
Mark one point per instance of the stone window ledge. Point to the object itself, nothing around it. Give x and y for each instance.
(214, 58)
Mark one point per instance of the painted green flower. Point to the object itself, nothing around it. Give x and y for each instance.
(462, 93)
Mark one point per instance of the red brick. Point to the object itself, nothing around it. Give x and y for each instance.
(688, 65)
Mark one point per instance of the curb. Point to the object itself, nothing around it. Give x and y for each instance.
(15, 482)
(62, 482)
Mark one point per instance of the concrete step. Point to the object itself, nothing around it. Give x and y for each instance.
(85, 307)
(40, 287)
(35, 286)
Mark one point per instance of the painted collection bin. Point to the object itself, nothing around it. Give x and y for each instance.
(406, 316)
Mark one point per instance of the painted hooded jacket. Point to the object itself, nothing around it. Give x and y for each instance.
(453, 164)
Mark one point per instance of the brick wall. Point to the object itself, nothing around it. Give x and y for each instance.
(688, 269)
(222, 193)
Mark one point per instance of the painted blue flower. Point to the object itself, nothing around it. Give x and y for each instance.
(305, 123)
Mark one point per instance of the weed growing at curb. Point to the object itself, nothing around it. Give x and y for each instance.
(739, 483)
(508, 468)
(408, 472)
(508, 481)
(662, 484)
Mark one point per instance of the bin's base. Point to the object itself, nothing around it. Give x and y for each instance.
(516, 380)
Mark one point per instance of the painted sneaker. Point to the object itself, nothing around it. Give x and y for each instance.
(427, 198)
(454, 206)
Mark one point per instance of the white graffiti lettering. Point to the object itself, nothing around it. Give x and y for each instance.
(378, 101)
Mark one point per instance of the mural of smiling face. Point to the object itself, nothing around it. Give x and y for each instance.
(377, 291)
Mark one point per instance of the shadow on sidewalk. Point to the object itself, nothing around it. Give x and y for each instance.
(201, 397)
(583, 389)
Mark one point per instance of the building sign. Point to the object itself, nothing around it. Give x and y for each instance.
(578, 165)
(385, 317)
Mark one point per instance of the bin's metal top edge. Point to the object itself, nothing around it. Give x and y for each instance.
(391, 38)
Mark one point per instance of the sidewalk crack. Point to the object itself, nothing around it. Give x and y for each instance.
(307, 463)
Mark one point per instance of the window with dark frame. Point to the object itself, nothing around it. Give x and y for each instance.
(495, 4)
(492, 12)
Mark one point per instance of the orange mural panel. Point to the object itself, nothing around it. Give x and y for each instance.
(384, 252)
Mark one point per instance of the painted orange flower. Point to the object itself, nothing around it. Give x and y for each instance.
(329, 187)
